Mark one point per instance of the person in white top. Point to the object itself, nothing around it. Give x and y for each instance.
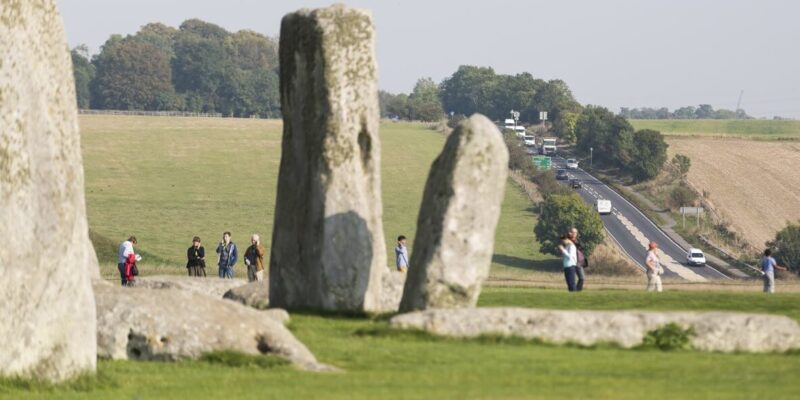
(654, 268)
(569, 261)
(125, 249)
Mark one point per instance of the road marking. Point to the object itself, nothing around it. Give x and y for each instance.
(666, 261)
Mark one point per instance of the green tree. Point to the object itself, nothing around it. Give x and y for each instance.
(393, 105)
(611, 136)
(681, 163)
(649, 154)
(564, 127)
(468, 90)
(132, 75)
(786, 246)
(562, 212)
(83, 71)
(424, 103)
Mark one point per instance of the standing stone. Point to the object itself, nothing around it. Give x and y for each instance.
(46, 260)
(328, 250)
(455, 230)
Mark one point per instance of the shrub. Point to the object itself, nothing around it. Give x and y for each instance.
(562, 212)
(787, 246)
(682, 195)
(669, 337)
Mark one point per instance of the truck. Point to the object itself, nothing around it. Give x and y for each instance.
(509, 123)
(548, 146)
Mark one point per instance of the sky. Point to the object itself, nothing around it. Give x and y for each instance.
(620, 53)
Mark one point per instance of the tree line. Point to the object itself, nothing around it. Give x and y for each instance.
(198, 67)
(703, 111)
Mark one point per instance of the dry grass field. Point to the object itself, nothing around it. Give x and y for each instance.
(753, 184)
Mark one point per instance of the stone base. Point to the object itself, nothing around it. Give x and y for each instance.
(714, 331)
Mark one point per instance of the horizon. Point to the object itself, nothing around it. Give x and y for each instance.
(636, 61)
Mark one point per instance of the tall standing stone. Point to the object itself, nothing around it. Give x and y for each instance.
(47, 308)
(456, 225)
(328, 250)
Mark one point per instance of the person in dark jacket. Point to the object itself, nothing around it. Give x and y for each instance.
(228, 255)
(254, 259)
(583, 261)
(196, 264)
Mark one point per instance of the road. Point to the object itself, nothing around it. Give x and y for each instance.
(632, 230)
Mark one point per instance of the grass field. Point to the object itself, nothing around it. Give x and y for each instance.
(754, 129)
(408, 365)
(168, 179)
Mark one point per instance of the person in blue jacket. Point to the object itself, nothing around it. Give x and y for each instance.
(228, 254)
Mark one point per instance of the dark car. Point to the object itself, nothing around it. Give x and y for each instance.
(575, 184)
(561, 175)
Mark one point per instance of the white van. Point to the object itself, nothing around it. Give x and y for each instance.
(695, 257)
(520, 130)
(509, 123)
(603, 206)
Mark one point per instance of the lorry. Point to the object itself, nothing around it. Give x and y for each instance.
(509, 123)
(548, 146)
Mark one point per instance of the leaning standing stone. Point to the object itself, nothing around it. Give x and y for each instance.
(327, 249)
(455, 230)
(47, 308)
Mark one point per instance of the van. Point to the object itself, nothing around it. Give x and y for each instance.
(509, 123)
(695, 257)
(603, 206)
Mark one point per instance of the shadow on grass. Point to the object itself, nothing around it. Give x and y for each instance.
(84, 383)
(236, 359)
(527, 264)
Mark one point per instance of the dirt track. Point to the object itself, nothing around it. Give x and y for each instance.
(755, 185)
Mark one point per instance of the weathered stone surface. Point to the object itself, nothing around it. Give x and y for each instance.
(392, 290)
(456, 225)
(46, 260)
(148, 324)
(213, 287)
(328, 250)
(253, 294)
(715, 331)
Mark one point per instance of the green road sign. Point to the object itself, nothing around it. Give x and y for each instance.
(542, 162)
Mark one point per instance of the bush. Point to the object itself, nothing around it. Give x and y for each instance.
(682, 195)
(787, 246)
(547, 183)
(669, 337)
(681, 163)
(649, 154)
(562, 212)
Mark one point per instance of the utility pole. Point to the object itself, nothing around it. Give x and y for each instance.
(739, 103)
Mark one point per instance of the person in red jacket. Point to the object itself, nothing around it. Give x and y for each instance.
(130, 269)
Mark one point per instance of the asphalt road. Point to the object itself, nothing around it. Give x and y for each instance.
(632, 230)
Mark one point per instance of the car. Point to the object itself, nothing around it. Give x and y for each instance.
(572, 163)
(529, 140)
(531, 151)
(695, 257)
(603, 206)
(575, 184)
(561, 175)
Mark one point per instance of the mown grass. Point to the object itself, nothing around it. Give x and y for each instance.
(381, 364)
(168, 179)
(749, 128)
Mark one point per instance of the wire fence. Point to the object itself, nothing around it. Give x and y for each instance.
(154, 113)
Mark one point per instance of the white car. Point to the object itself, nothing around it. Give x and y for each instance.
(603, 206)
(529, 140)
(695, 257)
(572, 163)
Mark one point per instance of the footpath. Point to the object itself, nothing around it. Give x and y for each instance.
(667, 224)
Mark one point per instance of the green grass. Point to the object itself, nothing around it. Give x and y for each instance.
(168, 179)
(751, 128)
(414, 365)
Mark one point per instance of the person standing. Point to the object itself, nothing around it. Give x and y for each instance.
(583, 261)
(401, 254)
(654, 268)
(228, 255)
(125, 249)
(768, 266)
(195, 254)
(254, 259)
(570, 261)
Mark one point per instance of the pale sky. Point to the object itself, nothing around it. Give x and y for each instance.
(611, 53)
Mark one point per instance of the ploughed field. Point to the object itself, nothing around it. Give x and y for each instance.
(755, 185)
(384, 364)
(167, 179)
